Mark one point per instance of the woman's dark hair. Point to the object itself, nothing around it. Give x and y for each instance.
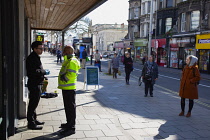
(35, 44)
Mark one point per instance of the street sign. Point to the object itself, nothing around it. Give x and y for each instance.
(91, 76)
(40, 38)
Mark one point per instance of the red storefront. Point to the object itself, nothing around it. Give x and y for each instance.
(159, 51)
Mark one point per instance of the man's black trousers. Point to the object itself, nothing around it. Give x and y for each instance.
(70, 107)
(148, 86)
(34, 97)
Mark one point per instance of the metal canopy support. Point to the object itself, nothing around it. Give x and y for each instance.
(63, 34)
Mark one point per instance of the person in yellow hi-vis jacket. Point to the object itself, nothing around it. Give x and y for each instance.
(67, 82)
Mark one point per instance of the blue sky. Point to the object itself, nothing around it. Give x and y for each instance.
(111, 12)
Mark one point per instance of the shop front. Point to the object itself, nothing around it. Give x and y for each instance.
(140, 46)
(159, 51)
(203, 46)
(180, 48)
(121, 47)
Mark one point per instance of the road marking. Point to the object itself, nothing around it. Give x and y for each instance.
(169, 77)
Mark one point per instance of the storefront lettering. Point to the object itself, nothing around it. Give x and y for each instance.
(183, 41)
(202, 41)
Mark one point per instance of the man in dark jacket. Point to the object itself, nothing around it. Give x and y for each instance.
(84, 56)
(35, 73)
(149, 75)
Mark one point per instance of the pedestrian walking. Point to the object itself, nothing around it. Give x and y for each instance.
(84, 56)
(59, 56)
(97, 57)
(35, 73)
(189, 84)
(149, 75)
(128, 62)
(67, 82)
(115, 65)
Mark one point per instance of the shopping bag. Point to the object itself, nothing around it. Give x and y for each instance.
(119, 72)
(140, 81)
(87, 59)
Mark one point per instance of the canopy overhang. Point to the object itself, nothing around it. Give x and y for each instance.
(58, 14)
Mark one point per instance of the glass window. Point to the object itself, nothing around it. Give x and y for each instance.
(161, 4)
(136, 13)
(142, 30)
(160, 27)
(168, 24)
(195, 20)
(143, 8)
(183, 22)
(169, 3)
(149, 5)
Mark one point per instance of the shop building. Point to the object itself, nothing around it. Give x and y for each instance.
(159, 51)
(180, 48)
(203, 47)
(140, 49)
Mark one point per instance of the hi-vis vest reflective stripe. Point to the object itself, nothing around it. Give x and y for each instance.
(69, 71)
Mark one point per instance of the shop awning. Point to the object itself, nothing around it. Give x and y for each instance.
(119, 44)
(58, 14)
(158, 43)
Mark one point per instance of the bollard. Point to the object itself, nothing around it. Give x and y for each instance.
(109, 67)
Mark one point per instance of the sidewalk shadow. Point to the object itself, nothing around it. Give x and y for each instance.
(114, 94)
(52, 136)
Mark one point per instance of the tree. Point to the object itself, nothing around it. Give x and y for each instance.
(83, 26)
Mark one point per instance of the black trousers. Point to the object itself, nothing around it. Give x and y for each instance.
(148, 86)
(59, 58)
(115, 71)
(127, 74)
(34, 97)
(69, 97)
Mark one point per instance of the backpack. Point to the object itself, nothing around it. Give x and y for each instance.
(194, 76)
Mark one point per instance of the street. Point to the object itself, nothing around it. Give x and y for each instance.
(169, 80)
(118, 111)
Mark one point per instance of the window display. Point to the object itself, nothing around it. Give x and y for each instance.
(204, 60)
(174, 57)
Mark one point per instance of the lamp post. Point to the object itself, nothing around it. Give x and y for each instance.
(91, 56)
(150, 29)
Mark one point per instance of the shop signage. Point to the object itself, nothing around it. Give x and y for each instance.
(183, 42)
(158, 43)
(203, 41)
(91, 76)
(174, 49)
(140, 42)
(40, 38)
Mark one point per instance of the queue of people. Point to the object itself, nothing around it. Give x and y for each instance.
(67, 79)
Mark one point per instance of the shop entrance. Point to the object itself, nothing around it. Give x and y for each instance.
(204, 59)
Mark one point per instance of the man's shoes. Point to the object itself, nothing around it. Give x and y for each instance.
(188, 114)
(145, 95)
(181, 114)
(100, 71)
(34, 127)
(64, 125)
(67, 132)
(151, 95)
(39, 123)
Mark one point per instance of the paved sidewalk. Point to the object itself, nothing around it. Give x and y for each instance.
(116, 112)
